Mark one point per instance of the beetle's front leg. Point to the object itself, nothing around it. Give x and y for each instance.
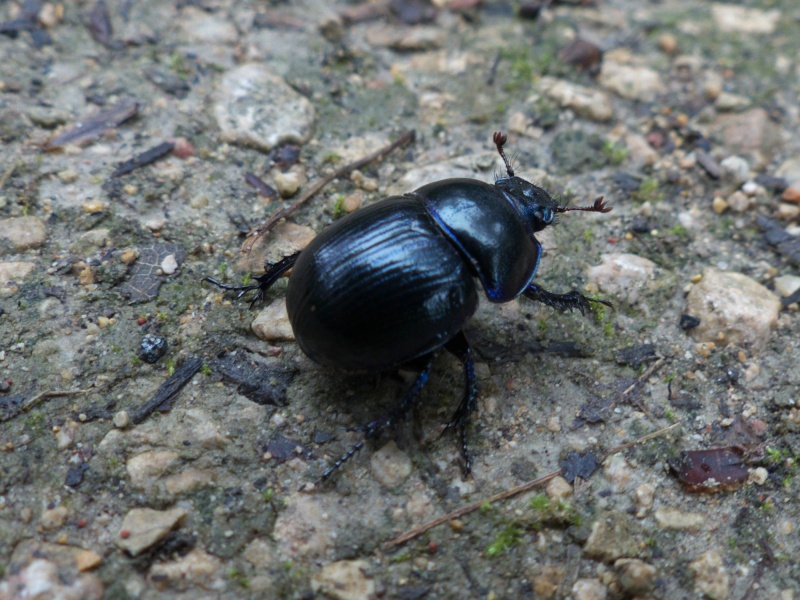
(459, 346)
(570, 300)
(262, 282)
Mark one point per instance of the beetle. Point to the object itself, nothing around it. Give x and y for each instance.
(392, 283)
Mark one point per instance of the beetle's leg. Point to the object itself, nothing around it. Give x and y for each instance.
(571, 300)
(263, 282)
(459, 346)
(389, 421)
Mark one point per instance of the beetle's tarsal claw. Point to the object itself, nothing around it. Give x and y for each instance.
(570, 301)
(342, 459)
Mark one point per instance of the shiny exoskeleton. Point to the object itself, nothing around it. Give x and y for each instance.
(392, 283)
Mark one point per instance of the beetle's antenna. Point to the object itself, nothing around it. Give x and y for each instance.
(500, 140)
(598, 206)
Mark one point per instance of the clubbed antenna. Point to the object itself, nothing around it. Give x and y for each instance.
(598, 206)
(500, 140)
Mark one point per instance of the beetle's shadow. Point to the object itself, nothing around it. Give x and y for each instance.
(347, 403)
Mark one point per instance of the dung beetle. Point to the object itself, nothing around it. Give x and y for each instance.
(393, 282)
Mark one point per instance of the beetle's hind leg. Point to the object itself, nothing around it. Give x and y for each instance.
(262, 282)
(459, 346)
(388, 421)
(570, 300)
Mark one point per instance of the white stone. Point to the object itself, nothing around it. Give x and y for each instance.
(197, 569)
(201, 27)
(390, 465)
(636, 576)
(735, 168)
(144, 527)
(589, 103)
(673, 518)
(287, 184)
(11, 273)
(272, 323)
(21, 233)
(122, 419)
(42, 579)
(732, 308)
(645, 496)
(786, 285)
(710, 575)
(589, 589)
(169, 265)
(624, 275)
(618, 472)
(726, 102)
(145, 468)
(344, 580)
(558, 489)
(256, 107)
(632, 82)
(739, 19)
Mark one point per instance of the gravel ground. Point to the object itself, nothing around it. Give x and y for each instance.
(154, 443)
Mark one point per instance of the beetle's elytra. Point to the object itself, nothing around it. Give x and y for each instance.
(392, 283)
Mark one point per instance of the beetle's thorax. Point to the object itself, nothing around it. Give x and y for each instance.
(486, 223)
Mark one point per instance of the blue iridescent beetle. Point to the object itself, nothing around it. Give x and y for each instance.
(390, 284)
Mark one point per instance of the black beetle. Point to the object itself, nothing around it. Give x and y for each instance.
(391, 283)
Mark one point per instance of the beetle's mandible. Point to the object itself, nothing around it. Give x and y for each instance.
(390, 284)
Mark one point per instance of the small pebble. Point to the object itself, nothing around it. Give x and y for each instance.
(751, 188)
(390, 465)
(673, 518)
(129, 256)
(617, 472)
(344, 579)
(183, 148)
(788, 212)
(786, 285)
(353, 202)
(558, 489)
(711, 577)
(668, 43)
(287, 184)
(87, 560)
(68, 176)
(738, 201)
(758, 476)
(169, 265)
(121, 419)
(589, 589)
(735, 168)
(636, 577)
(156, 224)
(53, 518)
(792, 193)
(93, 206)
(719, 205)
(51, 14)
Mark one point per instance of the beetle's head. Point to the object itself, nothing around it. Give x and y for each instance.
(537, 207)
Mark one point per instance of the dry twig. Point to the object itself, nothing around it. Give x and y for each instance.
(265, 227)
(473, 506)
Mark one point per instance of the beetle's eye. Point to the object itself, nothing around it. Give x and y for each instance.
(545, 215)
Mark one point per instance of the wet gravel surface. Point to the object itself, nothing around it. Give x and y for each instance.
(158, 436)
